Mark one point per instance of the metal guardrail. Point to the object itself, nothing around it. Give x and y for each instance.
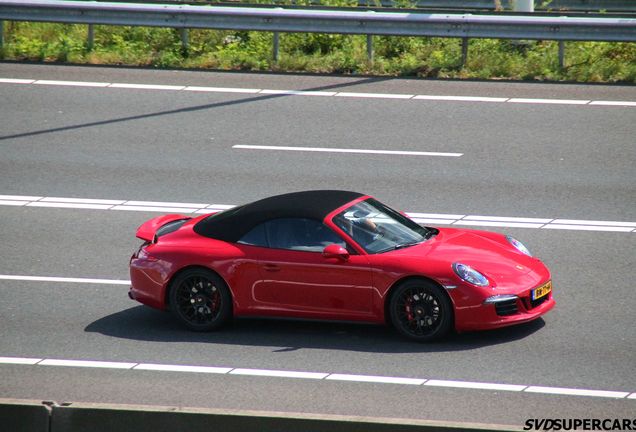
(317, 21)
(276, 20)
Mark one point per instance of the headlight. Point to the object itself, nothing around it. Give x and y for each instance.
(470, 275)
(518, 245)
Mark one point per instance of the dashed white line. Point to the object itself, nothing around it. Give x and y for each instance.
(87, 363)
(450, 98)
(345, 150)
(422, 218)
(65, 279)
(72, 83)
(375, 379)
(82, 200)
(180, 368)
(146, 86)
(461, 98)
(268, 373)
(576, 392)
(278, 373)
(498, 224)
(374, 95)
(475, 385)
(156, 209)
(20, 360)
(69, 205)
(613, 103)
(221, 89)
(549, 101)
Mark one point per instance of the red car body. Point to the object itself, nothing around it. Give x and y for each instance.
(353, 286)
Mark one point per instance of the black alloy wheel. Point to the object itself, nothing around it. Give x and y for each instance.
(421, 311)
(200, 300)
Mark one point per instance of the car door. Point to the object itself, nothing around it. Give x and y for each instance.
(298, 280)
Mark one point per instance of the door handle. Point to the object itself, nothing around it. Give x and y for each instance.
(271, 267)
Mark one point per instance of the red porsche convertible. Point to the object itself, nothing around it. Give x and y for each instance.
(335, 255)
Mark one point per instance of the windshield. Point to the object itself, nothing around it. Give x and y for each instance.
(378, 228)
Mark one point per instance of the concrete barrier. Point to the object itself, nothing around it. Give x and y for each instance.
(19, 415)
(34, 416)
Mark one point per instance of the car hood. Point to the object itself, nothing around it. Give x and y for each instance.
(487, 252)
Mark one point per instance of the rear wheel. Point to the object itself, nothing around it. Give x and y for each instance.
(421, 311)
(200, 300)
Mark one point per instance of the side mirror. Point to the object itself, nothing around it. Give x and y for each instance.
(335, 251)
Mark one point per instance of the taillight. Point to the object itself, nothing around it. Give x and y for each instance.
(143, 253)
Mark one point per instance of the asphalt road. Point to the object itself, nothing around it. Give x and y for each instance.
(535, 160)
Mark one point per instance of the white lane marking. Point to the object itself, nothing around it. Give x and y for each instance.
(69, 205)
(279, 373)
(320, 93)
(64, 279)
(155, 209)
(146, 86)
(549, 101)
(594, 223)
(221, 89)
(20, 197)
(374, 95)
(588, 228)
(181, 368)
(461, 98)
(475, 385)
(498, 224)
(20, 360)
(220, 206)
(13, 203)
(16, 81)
(72, 83)
(317, 376)
(436, 215)
(297, 92)
(375, 379)
(87, 363)
(613, 103)
(576, 392)
(508, 219)
(164, 204)
(81, 201)
(344, 150)
(424, 218)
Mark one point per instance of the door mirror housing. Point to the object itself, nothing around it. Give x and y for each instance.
(335, 251)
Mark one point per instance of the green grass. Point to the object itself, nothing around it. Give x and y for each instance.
(322, 53)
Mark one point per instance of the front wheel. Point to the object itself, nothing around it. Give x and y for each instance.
(421, 311)
(200, 300)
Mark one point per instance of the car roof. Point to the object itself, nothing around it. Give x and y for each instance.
(231, 225)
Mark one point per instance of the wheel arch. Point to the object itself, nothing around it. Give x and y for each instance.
(397, 283)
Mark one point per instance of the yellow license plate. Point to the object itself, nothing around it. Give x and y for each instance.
(542, 291)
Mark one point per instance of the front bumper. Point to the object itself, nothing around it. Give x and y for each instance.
(517, 310)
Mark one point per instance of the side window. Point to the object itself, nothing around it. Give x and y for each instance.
(255, 237)
(301, 234)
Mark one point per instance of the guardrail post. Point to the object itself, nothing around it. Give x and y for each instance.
(370, 48)
(1, 34)
(185, 40)
(90, 39)
(276, 47)
(561, 54)
(464, 51)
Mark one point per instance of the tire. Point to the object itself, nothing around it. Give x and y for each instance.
(200, 300)
(421, 311)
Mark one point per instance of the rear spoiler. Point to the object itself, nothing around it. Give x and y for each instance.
(148, 229)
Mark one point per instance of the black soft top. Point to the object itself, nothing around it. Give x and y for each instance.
(231, 225)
